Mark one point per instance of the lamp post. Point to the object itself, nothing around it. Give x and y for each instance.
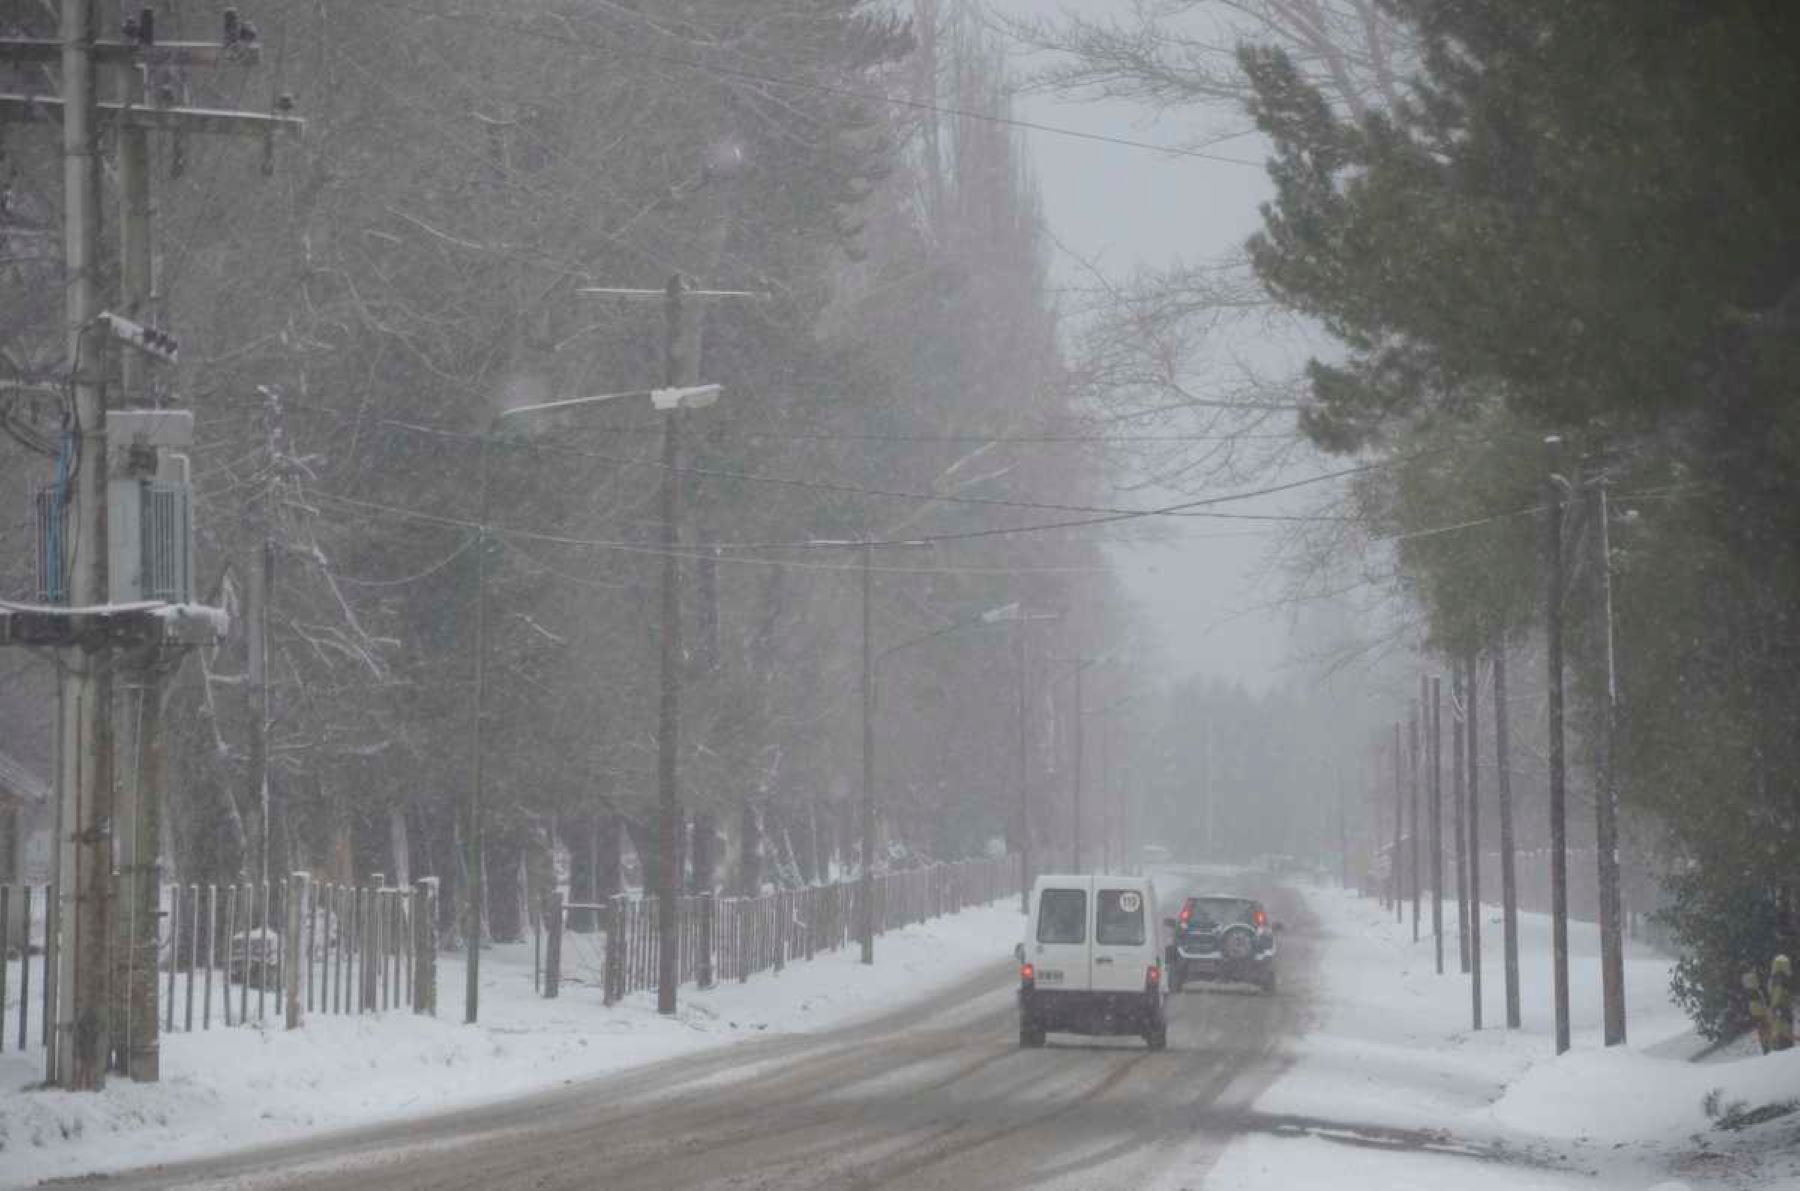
(1081, 665)
(668, 399)
(871, 671)
(1105, 779)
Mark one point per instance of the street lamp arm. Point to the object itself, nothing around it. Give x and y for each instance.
(1005, 615)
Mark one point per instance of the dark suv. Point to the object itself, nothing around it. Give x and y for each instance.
(1221, 937)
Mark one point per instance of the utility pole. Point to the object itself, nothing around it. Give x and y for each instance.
(1606, 810)
(136, 1048)
(1080, 665)
(1559, 854)
(677, 371)
(472, 850)
(1435, 731)
(1509, 892)
(1025, 872)
(1417, 873)
(1399, 818)
(1208, 798)
(1458, 730)
(88, 826)
(86, 695)
(1343, 833)
(866, 925)
(1474, 732)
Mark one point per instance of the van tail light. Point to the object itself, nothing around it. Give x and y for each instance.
(1153, 975)
(1027, 974)
(1261, 918)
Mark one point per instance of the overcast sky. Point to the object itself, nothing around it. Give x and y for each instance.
(1126, 208)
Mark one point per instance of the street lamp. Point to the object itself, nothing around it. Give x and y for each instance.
(1081, 664)
(871, 668)
(1105, 778)
(670, 399)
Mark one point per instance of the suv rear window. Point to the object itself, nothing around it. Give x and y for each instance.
(1221, 911)
(1062, 916)
(1119, 918)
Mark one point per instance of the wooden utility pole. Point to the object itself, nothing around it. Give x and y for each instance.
(1509, 891)
(1458, 731)
(1474, 733)
(1559, 853)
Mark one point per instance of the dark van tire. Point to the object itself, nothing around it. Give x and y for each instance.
(1177, 976)
(1157, 1036)
(1030, 1037)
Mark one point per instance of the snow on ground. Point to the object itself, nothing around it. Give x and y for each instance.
(226, 1089)
(1390, 1088)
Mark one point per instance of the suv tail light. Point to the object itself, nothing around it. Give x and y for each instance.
(1153, 976)
(1261, 918)
(1187, 912)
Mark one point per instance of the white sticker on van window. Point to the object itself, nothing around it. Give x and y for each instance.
(1130, 903)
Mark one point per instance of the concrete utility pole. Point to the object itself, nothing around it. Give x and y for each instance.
(1397, 874)
(1509, 892)
(85, 768)
(1428, 705)
(866, 881)
(88, 822)
(1559, 852)
(474, 899)
(1417, 869)
(1469, 667)
(1025, 870)
(1080, 665)
(678, 370)
(1435, 733)
(1458, 731)
(1606, 809)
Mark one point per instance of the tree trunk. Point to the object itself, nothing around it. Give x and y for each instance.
(609, 844)
(749, 881)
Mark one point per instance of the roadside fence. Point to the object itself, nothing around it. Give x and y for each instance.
(242, 954)
(726, 938)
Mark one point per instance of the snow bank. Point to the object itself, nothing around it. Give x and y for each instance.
(1390, 1054)
(227, 1089)
(1624, 1095)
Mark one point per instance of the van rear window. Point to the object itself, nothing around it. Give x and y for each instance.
(1062, 916)
(1119, 918)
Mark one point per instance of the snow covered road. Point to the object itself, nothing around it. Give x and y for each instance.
(933, 1095)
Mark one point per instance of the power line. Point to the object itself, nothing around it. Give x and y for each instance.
(1183, 509)
(722, 71)
(975, 437)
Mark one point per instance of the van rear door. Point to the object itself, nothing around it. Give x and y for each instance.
(1123, 946)
(1059, 947)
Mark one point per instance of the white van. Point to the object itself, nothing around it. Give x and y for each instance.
(1090, 962)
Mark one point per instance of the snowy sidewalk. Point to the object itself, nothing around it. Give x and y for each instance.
(1390, 1088)
(228, 1089)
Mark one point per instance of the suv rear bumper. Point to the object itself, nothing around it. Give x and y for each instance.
(1086, 1012)
(1213, 965)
